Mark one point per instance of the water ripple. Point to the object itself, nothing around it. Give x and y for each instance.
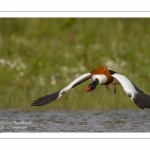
(75, 121)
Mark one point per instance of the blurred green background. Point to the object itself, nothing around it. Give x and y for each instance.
(41, 56)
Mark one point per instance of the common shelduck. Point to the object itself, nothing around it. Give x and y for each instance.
(103, 76)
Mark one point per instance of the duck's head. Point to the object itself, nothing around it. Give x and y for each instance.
(92, 85)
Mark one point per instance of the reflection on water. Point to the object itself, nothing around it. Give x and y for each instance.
(75, 121)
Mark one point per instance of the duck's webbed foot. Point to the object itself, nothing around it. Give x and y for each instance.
(107, 87)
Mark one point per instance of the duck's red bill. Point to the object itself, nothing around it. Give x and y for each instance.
(89, 89)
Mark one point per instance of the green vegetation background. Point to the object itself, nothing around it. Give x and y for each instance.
(41, 56)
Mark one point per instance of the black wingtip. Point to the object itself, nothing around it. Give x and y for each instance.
(46, 99)
(142, 100)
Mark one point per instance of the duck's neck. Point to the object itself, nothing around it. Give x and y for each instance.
(95, 83)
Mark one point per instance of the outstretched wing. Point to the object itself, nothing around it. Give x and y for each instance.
(141, 99)
(49, 98)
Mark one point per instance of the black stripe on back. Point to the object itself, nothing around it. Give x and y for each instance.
(142, 100)
(112, 72)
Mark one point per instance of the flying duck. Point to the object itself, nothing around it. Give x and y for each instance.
(101, 76)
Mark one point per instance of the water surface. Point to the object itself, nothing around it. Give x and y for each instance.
(75, 121)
